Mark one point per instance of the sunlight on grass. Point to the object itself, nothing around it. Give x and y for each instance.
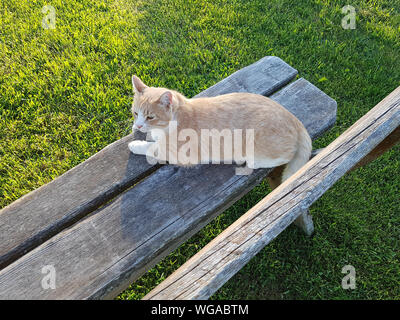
(65, 94)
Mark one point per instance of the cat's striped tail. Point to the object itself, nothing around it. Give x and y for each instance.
(302, 155)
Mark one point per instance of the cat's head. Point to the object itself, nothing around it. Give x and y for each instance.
(152, 107)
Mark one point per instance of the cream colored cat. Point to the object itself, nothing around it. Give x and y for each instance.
(271, 135)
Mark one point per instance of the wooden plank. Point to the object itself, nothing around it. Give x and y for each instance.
(318, 119)
(313, 119)
(102, 255)
(211, 267)
(264, 77)
(304, 221)
(390, 141)
(39, 215)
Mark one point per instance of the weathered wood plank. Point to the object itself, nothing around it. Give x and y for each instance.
(390, 141)
(211, 267)
(318, 118)
(39, 215)
(304, 221)
(43, 212)
(263, 77)
(101, 255)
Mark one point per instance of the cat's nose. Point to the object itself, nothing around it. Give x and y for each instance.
(139, 126)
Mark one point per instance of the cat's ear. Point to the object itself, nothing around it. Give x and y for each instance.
(138, 84)
(166, 99)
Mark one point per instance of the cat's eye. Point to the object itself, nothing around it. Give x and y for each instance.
(135, 114)
(149, 117)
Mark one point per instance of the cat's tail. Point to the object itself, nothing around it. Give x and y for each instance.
(302, 155)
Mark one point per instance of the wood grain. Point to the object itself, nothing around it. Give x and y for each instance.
(210, 268)
(390, 141)
(103, 254)
(39, 215)
(264, 77)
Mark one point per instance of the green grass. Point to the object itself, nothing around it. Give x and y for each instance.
(65, 94)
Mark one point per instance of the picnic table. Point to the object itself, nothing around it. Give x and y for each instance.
(104, 223)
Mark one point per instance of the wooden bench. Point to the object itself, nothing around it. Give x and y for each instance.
(212, 266)
(104, 223)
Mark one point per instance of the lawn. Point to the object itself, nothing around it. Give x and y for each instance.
(65, 93)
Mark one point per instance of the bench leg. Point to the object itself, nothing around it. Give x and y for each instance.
(390, 141)
(304, 221)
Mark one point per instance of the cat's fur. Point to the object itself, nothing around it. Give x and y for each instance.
(279, 137)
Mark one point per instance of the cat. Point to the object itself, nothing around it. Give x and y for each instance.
(279, 138)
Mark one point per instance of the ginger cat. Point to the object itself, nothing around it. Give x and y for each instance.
(270, 135)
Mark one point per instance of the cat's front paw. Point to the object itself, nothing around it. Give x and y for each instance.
(138, 147)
